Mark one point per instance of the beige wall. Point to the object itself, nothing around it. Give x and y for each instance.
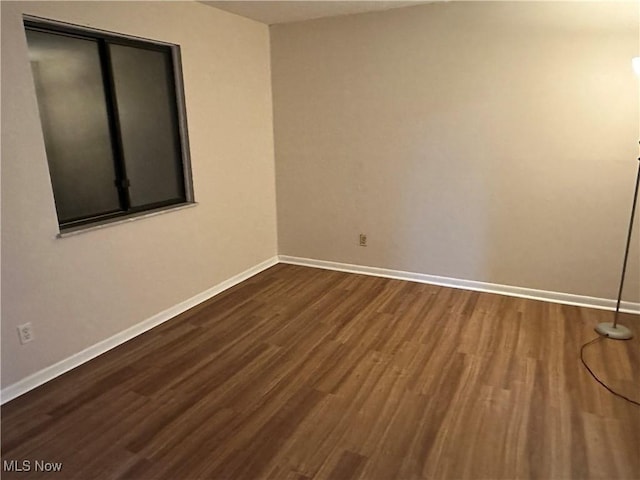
(495, 142)
(80, 290)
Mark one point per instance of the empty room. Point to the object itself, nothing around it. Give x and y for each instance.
(300, 240)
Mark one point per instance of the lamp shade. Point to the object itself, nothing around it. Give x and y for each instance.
(635, 63)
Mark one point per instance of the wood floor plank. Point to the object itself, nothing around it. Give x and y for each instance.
(301, 373)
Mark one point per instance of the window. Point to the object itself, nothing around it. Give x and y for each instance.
(113, 122)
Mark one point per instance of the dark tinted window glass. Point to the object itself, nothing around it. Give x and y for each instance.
(75, 124)
(144, 95)
(111, 112)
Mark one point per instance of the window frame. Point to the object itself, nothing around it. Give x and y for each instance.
(178, 110)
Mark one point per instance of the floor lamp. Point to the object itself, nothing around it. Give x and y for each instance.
(612, 329)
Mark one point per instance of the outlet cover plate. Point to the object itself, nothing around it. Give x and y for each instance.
(25, 332)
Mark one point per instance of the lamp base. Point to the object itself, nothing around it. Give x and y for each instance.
(620, 332)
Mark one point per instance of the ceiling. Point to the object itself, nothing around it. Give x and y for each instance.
(271, 12)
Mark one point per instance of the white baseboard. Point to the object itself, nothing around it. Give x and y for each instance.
(544, 295)
(49, 373)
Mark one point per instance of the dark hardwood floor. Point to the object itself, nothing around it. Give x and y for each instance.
(302, 373)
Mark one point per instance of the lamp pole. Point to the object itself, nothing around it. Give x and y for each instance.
(608, 329)
(613, 330)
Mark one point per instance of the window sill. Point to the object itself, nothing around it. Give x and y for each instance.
(70, 232)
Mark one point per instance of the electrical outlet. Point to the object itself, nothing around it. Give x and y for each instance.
(25, 332)
(363, 240)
